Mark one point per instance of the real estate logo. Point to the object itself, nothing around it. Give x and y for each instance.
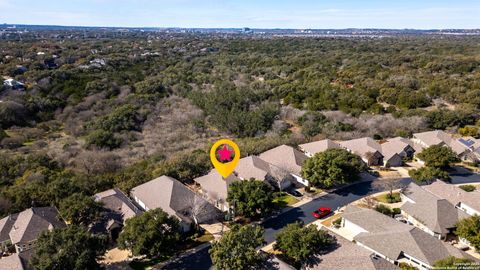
(225, 155)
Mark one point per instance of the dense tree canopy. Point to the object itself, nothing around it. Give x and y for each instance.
(237, 249)
(469, 229)
(332, 167)
(153, 233)
(299, 243)
(250, 198)
(427, 175)
(438, 156)
(69, 248)
(453, 263)
(80, 209)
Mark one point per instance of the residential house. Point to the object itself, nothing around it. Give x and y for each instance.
(215, 188)
(395, 241)
(473, 146)
(438, 137)
(30, 223)
(430, 213)
(402, 146)
(348, 256)
(466, 201)
(12, 84)
(176, 199)
(258, 169)
(16, 261)
(394, 151)
(287, 158)
(367, 148)
(117, 209)
(310, 149)
(6, 225)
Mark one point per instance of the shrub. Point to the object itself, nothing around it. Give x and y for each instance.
(384, 210)
(468, 188)
(102, 139)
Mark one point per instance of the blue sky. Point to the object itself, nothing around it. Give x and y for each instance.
(420, 14)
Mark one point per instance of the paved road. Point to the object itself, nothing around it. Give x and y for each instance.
(201, 260)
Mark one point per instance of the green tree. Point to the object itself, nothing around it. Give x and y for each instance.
(80, 209)
(438, 156)
(125, 117)
(153, 233)
(69, 248)
(12, 114)
(299, 243)
(312, 123)
(453, 263)
(185, 166)
(250, 198)
(469, 229)
(427, 175)
(237, 249)
(102, 139)
(332, 167)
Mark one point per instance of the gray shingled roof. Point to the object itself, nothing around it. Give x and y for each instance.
(454, 194)
(172, 197)
(31, 222)
(349, 256)
(6, 224)
(215, 185)
(435, 213)
(116, 201)
(257, 168)
(393, 147)
(392, 238)
(285, 157)
(362, 146)
(319, 146)
(417, 147)
(13, 262)
(440, 137)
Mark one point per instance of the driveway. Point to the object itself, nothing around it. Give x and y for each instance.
(201, 259)
(335, 199)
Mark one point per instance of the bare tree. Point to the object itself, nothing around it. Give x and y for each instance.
(389, 184)
(199, 210)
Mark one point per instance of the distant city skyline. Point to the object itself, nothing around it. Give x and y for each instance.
(299, 14)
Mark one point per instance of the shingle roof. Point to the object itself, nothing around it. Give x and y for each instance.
(116, 201)
(31, 222)
(6, 224)
(215, 185)
(172, 197)
(319, 146)
(349, 256)
(454, 194)
(285, 157)
(438, 137)
(362, 146)
(435, 213)
(257, 168)
(392, 238)
(417, 147)
(393, 147)
(13, 262)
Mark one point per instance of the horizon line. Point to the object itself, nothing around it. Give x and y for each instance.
(243, 27)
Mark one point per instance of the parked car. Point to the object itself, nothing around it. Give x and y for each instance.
(321, 212)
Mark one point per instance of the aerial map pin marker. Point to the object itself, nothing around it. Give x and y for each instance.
(225, 155)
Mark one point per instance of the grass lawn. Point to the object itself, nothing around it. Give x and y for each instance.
(284, 199)
(384, 198)
(148, 264)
